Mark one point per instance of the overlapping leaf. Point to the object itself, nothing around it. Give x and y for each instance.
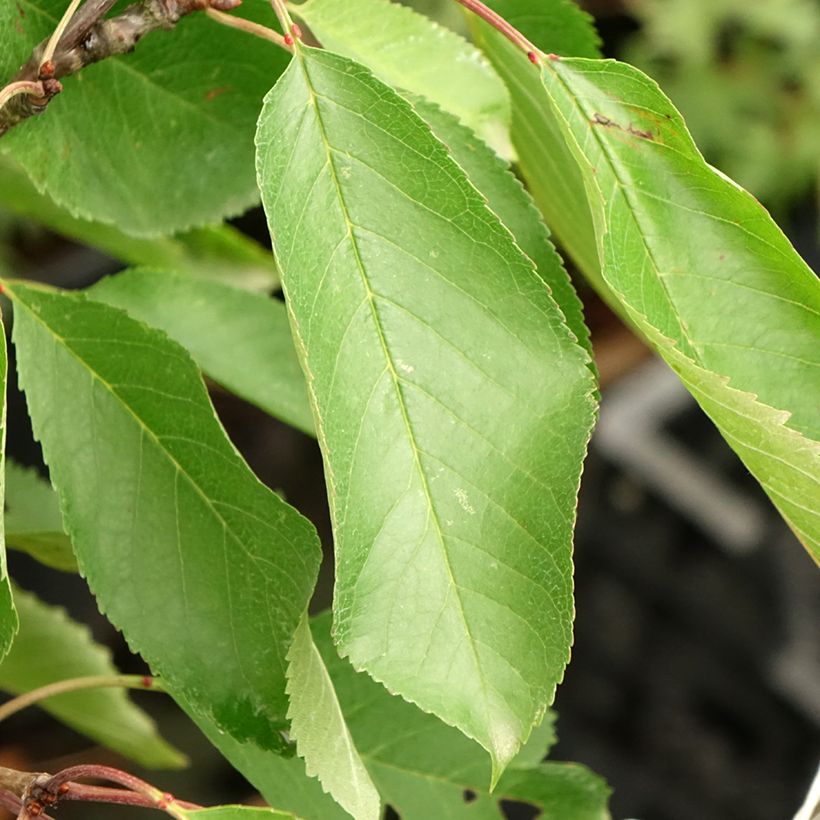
(8, 615)
(699, 266)
(51, 647)
(205, 570)
(453, 404)
(241, 340)
(422, 768)
(321, 733)
(410, 51)
(233, 813)
(153, 142)
(218, 252)
(32, 519)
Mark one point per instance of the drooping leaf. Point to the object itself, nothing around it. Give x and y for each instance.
(409, 51)
(241, 340)
(453, 404)
(421, 767)
(154, 142)
(321, 734)
(218, 252)
(700, 268)
(50, 647)
(32, 519)
(513, 205)
(233, 813)
(205, 570)
(552, 175)
(8, 615)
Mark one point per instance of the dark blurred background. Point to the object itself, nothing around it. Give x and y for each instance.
(694, 686)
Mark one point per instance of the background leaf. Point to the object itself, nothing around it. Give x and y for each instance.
(321, 734)
(453, 414)
(32, 519)
(409, 51)
(8, 616)
(241, 340)
(205, 570)
(233, 813)
(51, 647)
(154, 142)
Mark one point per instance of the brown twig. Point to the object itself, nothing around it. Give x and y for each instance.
(89, 39)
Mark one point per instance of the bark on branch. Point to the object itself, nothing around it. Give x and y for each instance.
(89, 39)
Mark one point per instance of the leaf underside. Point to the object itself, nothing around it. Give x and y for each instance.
(205, 570)
(453, 405)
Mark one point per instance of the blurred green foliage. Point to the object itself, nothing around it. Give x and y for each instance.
(746, 76)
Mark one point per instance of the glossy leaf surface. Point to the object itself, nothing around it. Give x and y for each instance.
(51, 647)
(205, 570)
(453, 404)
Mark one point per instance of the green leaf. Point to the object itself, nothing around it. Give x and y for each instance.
(232, 813)
(32, 519)
(321, 734)
(453, 404)
(220, 252)
(50, 647)
(410, 51)
(545, 160)
(205, 570)
(421, 767)
(702, 270)
(154, 142)
(241, 340)
(8, 615)
(509, 200)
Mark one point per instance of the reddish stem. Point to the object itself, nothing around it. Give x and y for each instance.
(501, 25)
(103, 794)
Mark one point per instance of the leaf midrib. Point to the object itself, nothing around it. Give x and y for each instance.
(390, 366)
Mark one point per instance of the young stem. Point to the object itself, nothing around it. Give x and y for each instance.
(283, 15)
(248, 26)
(72, 685)
(501, 25)
(54, 40)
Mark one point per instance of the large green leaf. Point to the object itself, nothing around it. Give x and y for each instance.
(8, 615)
(219, 252)
(32, 519)
(205, 570)
(321, 733)
(453, 404)
(241, 340)
(421, 767)
(410, 51)
(51, 647)
(153, 142)
(700, 268)
(552, 175)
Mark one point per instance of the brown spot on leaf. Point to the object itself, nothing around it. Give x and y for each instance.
(215, 92)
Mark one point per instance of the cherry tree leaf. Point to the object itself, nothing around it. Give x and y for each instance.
(153, 142)
(453, 403)
(51, 647)
(697, 265)
(206, 571)
(240, 339)
(232, 813)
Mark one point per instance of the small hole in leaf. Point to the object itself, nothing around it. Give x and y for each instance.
(469, 795)
(516, 810)
(391, 814)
